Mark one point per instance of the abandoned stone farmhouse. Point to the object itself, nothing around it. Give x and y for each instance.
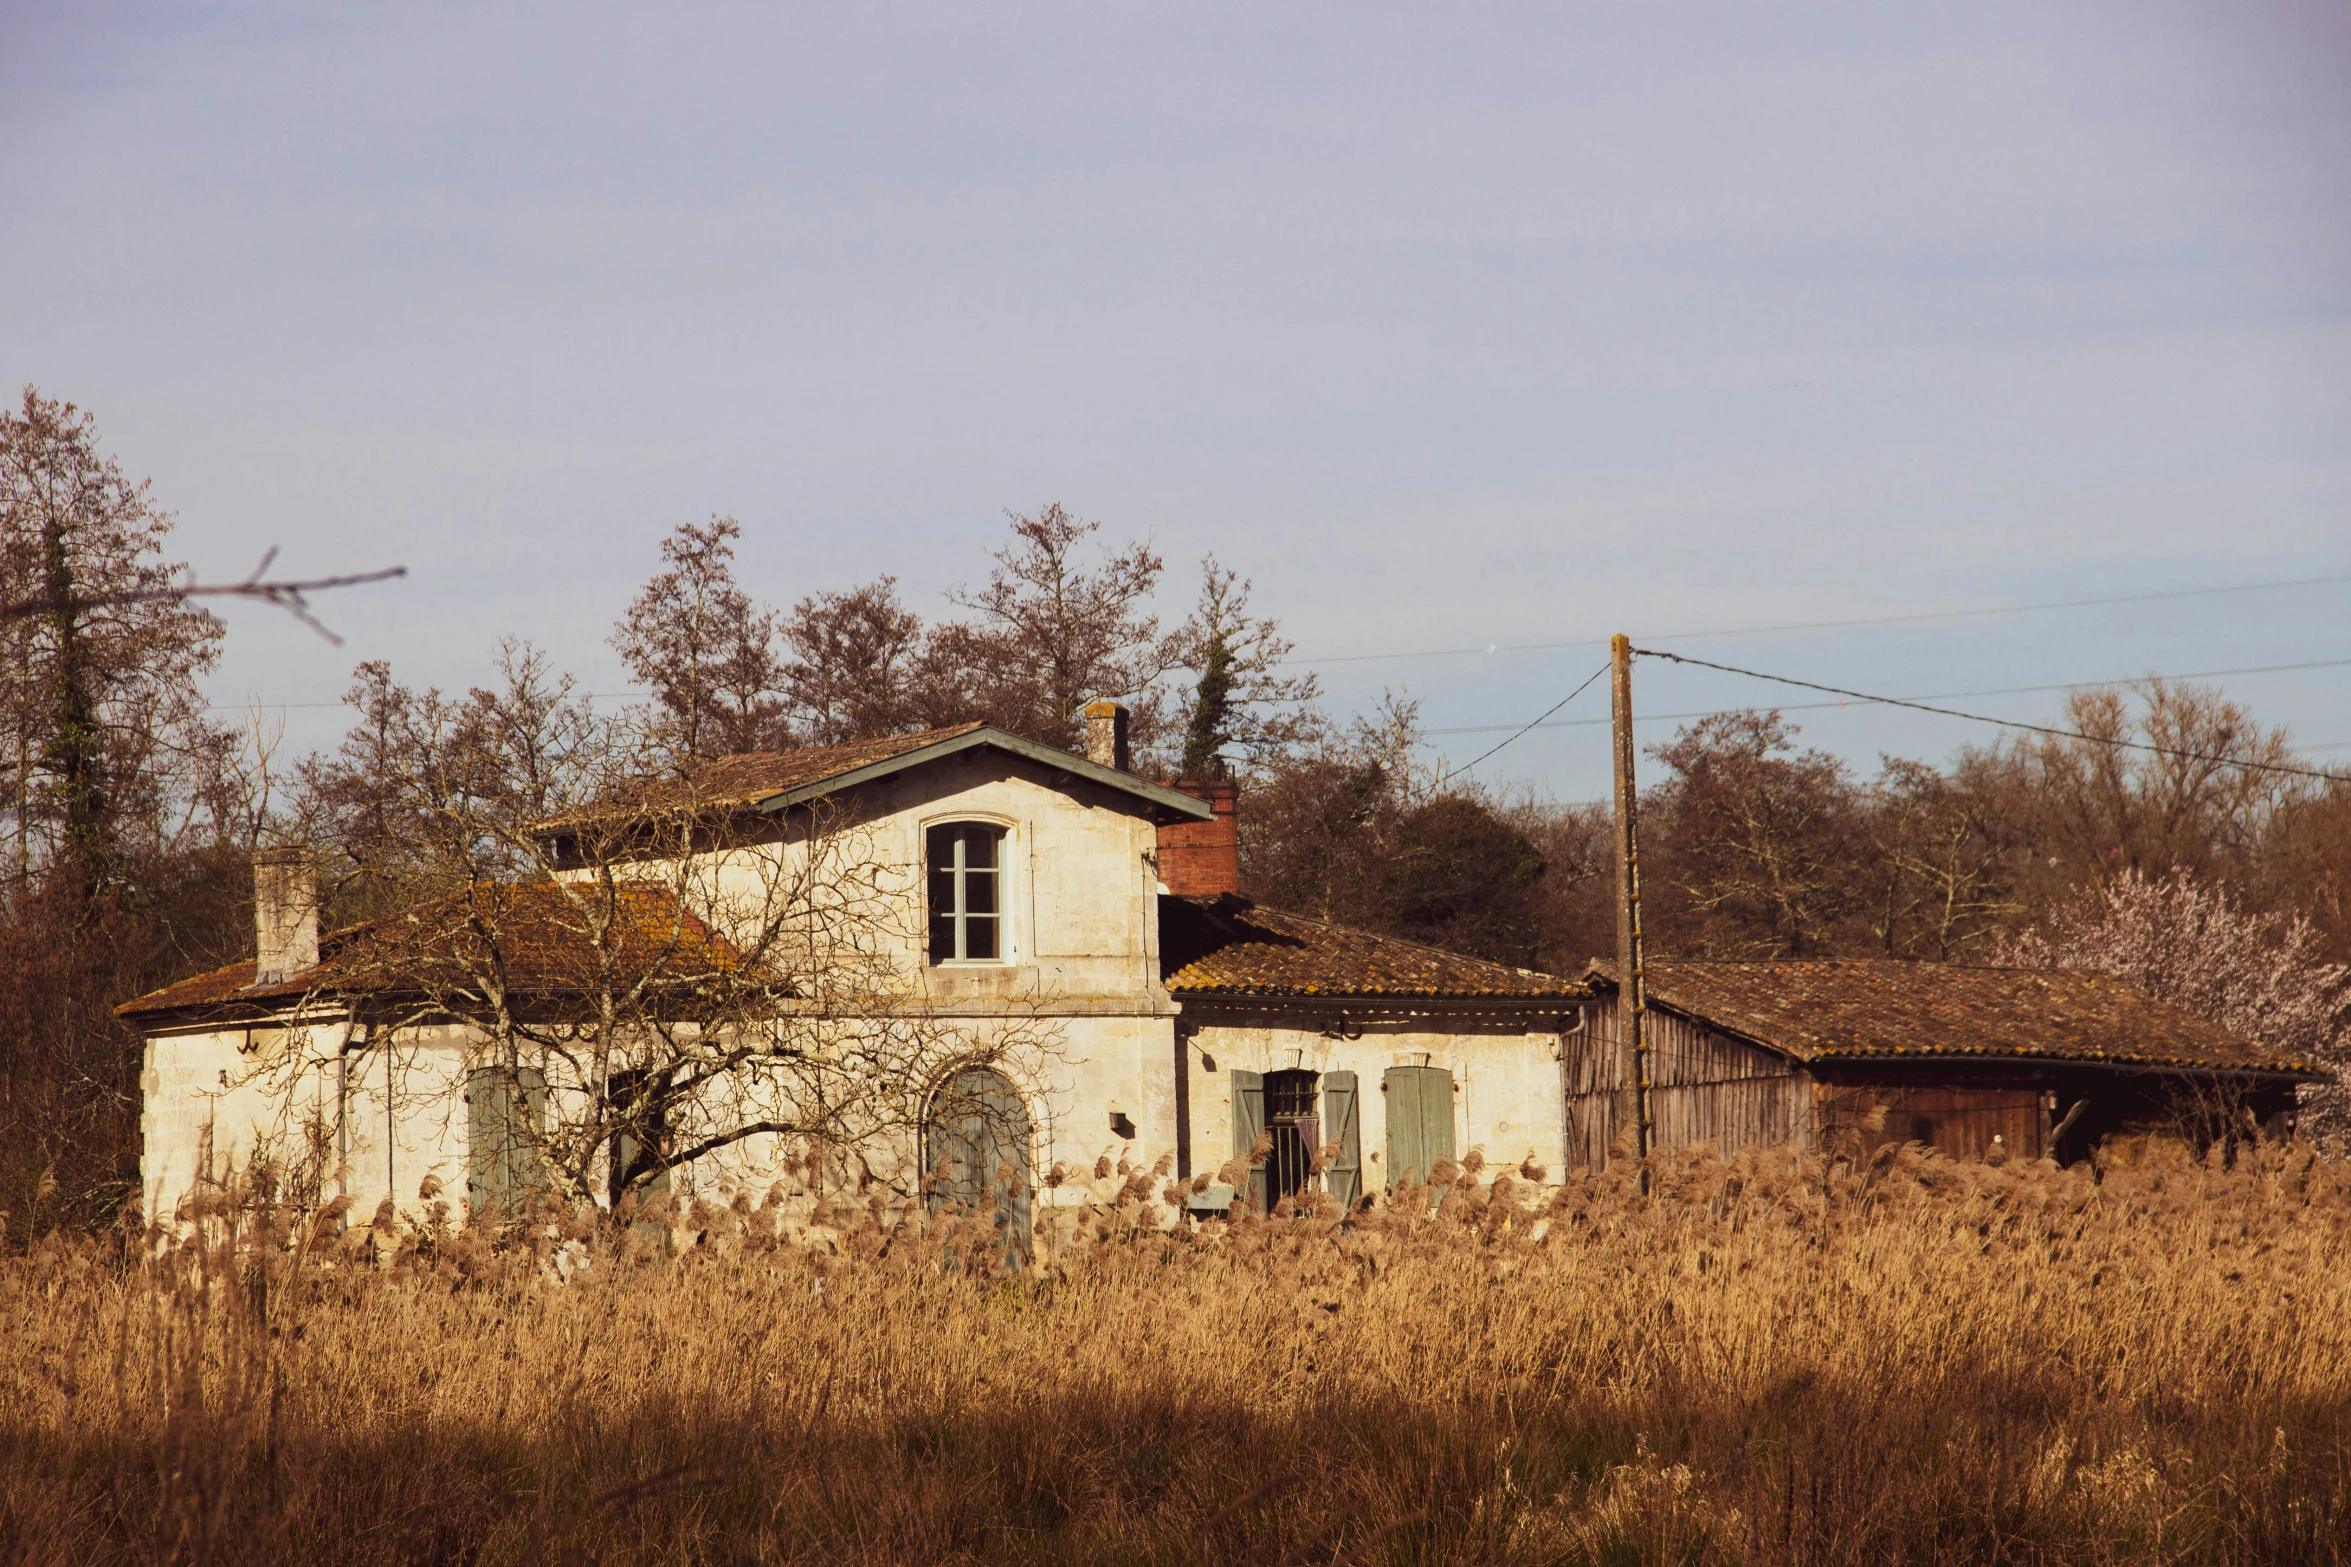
(1071, 943)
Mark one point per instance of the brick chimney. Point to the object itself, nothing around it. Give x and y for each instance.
(1106, 735)
(1202, 859)
(285, 913)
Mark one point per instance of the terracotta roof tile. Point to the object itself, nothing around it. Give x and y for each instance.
(753, 776)
(1228, 946)
(1854, 1008)
(729, 782)
(541, 941)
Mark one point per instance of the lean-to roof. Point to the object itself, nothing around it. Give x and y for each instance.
(1228, 947)
(1884, 1009)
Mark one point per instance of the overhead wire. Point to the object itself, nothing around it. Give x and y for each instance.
(1554, 707)
(2241, 763)
(1836, 625)
(1941, 696)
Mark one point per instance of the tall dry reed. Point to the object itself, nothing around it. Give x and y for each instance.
(1770, 1359)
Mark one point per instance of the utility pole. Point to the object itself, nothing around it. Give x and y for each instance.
(1632, 990)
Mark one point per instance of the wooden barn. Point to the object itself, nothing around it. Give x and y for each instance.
(1964, 1060)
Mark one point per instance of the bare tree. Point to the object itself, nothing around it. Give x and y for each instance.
(127, 808)
(1361, 830)
(1049, 635)
(643, 972)
(2095, 809)
(855, 669)
(1755, 844)
(1942, 879)
(705, 648)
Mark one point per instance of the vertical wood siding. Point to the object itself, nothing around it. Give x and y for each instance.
(1960, 1122)
(1704, 1088)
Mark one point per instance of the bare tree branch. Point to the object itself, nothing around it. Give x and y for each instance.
(290, 595)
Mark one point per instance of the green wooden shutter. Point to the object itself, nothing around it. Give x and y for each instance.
(1248, 1121)
(526, 1125)
(504, 1115)
(1401, 1085)
(1341, 1110)
(1436, 1114)
(1420, 1120)
(486, 1167)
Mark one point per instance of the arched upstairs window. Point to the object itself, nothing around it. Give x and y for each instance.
(966, 861)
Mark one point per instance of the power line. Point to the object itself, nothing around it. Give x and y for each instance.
(240, 707)
(1940, 696)
(1835, 625)
(1555, 707)
(2004, 723)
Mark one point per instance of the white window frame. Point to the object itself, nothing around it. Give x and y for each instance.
(1006, 930)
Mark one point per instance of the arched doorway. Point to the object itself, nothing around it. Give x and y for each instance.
(975, 1152)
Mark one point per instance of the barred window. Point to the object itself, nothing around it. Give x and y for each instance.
(966, 895)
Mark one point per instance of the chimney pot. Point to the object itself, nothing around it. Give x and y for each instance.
(1106, 735)
(285, 913)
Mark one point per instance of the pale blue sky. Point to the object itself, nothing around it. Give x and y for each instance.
(1452, 326)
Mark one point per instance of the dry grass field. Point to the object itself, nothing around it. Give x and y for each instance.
(1766, 1360)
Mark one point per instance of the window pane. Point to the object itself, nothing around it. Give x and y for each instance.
(964, 904)
(979, 936)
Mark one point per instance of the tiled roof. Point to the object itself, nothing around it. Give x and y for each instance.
(1226, 946)
(750, 778)
(1860, 1008)
(539, 937)
(753, 776)
(758, 778)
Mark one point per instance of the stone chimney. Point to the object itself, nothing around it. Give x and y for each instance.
(1106, 735)
(1202, 859)
(285, 913)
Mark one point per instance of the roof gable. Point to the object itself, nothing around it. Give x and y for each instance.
(770, 781)
(1888, 1009)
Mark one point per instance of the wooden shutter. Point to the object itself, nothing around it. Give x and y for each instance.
(504, 1115)
(1248, 1121)
(1436, 1113)
(1420, 1120)
(1401, 1085)
(526, 1123)
(486, 1168)
(1341, 1109)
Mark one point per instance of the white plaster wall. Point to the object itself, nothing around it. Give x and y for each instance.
(1506, 1087)
(1079, 883)
(214, 1102)
(404, 1119)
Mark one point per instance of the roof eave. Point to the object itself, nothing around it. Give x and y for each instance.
(1174, 802)
(2276, 1075)
(1366, 1001)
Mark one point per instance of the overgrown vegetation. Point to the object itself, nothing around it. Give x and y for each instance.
(1770, 1360)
